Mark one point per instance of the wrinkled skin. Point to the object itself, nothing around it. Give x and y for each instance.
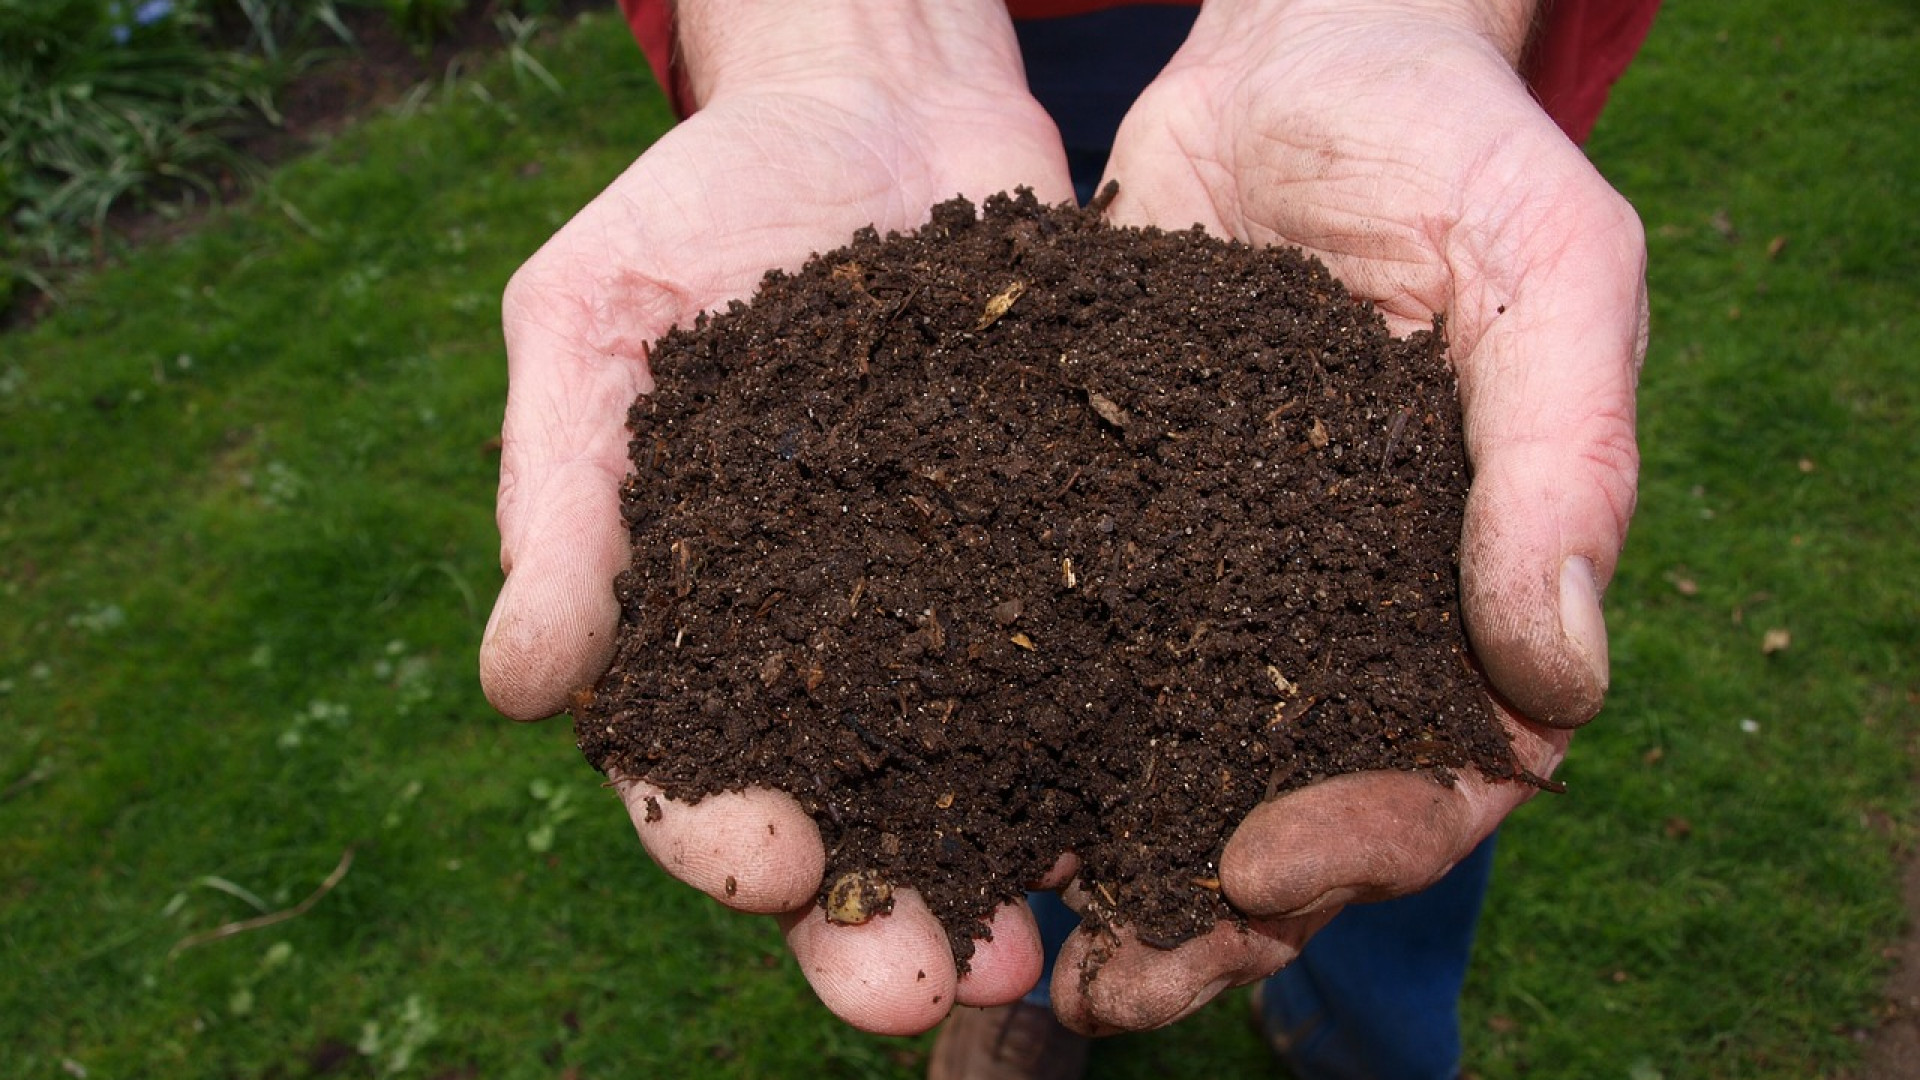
(1404, 152)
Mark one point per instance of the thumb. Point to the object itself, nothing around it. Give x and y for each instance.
(563, 455)
(553, 625)
(1547, 386)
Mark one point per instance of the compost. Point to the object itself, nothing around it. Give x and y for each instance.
(1022, 534)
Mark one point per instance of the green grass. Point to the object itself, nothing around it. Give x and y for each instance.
(102, 110)
(113, 110)
(246, 551)
(1712, 897)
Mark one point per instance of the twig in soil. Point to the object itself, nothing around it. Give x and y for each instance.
(683, 569)
(1426, 752)
(1287, 714)
(263, 921)
(886, 323)
(1279, 778)
(1107, 409)
(934, 634)
(1394, 431)
(1103, 198)
(826, 804)
(881, 743)
(1544, 783)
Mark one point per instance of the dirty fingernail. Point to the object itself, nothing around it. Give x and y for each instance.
(1326, 901)
(1581, 621)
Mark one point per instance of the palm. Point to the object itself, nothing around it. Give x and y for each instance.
(1411, 160)
(742, 187)
(1415, 164)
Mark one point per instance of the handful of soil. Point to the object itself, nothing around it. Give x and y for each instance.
(1023, 534)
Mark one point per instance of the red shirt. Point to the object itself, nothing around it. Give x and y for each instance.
(1580, 51)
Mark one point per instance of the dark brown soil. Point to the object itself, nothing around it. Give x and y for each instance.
(1024, 534)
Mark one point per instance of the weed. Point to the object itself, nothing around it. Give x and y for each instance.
(110, 108)
(100, 109)
(393, 1043)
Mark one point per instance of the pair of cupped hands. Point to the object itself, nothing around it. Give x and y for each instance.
(1393, 140)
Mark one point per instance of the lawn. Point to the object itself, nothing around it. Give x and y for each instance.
(257, 821)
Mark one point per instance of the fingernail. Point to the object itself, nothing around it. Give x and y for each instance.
(1581, 622)
(1206, 994)
(1331, 899)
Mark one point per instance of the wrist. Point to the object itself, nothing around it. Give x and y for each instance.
(1505, 25)
(734, 46)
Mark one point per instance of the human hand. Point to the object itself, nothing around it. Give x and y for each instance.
(814, 122)
(1395, 142)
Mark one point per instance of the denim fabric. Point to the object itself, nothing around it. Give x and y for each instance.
(1088, 69)
(1057, 921)
(1374, 996)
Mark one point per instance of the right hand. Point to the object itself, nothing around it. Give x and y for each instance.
(810, 127)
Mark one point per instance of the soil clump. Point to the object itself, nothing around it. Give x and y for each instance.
(1022, 534)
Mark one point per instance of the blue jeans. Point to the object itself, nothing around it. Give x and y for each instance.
(1373, 996)
(1087, 69)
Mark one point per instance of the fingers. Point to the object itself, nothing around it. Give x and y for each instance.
(1064, 869)
(894, 975)
(1371, 836)
(1547, 384)
(563, 453)
(1105, 983)
(1293, 864)
(1006, 963)
(755, 850)
(1352, 838)
(552, 627)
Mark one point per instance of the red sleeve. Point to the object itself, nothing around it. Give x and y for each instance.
(652, 23)
(1582, 48)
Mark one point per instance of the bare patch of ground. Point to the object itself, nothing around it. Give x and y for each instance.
(1893, 1048)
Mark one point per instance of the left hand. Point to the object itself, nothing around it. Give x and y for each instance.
(1396, 142)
